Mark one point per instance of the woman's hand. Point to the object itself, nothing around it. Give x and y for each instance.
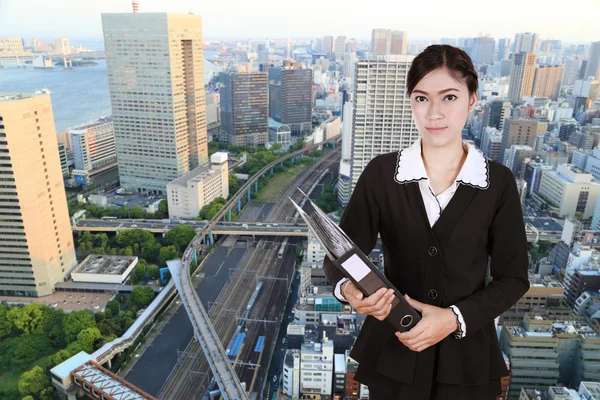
(437, 323)
(378, 304)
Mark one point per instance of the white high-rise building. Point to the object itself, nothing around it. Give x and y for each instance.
(94, 145)
(339, 47)
(156, 81)
(526, 42)
(380, 77)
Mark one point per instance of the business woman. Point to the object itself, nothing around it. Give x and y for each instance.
(444, 213)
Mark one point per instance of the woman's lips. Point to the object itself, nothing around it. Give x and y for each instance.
(435, 130)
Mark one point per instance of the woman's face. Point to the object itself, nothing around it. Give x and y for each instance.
(440, 106)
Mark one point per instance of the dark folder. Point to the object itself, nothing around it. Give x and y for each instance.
(352, 262)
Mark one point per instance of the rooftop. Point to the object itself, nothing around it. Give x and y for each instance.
(195, 175)
(20, 96)
(103, 264)
(64, 369)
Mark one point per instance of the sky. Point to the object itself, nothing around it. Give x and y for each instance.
(571, 21)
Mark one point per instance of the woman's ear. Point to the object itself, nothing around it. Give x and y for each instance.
(472, 101)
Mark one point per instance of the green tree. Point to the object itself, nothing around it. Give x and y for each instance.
(154, 272)
(33, 382)
(180, 236)
(6, 325)
(167, 253)
(59, 357)
(87, 338)
(114, 306)
(76, 322)
(163, 207)
(234, 184)
(29, 318)
(28, 348)
(141, 296)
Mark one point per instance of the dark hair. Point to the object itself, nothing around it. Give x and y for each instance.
(436, 56)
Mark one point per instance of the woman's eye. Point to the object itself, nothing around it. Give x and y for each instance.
(420, 99)
(450, 97)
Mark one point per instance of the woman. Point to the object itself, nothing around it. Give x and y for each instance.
(442, 211)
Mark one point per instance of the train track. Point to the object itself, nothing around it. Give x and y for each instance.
(190, 376)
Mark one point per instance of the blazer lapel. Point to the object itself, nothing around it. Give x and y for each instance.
(447, 221)
(419, 214)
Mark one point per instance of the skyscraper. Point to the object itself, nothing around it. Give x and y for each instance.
(496, 113)
(290, 96)
(385, 125)
(340, 47)
(547, 81)
(526, 42)
(521, 76)
(386, 41)
(503, 49)
(36, 242)
(571, 72)
(244, 107)
(593, 64)
(327, 46)
(482, 49)
(520, 132)
(156, 81)
(398, 42)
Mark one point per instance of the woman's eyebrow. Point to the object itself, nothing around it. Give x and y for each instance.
(440, 92)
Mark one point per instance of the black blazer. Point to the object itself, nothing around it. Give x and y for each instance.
(442, 265)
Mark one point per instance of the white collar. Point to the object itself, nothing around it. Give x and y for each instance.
(410, 167)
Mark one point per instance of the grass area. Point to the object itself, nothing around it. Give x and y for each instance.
(10, 380)
(277, 185)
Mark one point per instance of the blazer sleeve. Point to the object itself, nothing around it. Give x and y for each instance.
(507, 247)
(360, 219)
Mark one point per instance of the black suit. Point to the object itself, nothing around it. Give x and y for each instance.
(441, 265)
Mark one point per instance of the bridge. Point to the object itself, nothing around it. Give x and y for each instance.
(221, 228)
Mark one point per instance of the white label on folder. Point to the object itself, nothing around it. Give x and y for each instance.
(356, 267)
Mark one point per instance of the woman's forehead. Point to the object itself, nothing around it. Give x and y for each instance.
(440, 79)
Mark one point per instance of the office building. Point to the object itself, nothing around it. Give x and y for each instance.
(36, 241)
(12, 45)
(244, 103)
(520, 132)
(94, 145)
(547, 81)
(545, 351)
(503, 49)
(387, 41)
(340, 47)
(495, 114)
(593, 62)
(380, 126)
(526, 42)
(521, 76)
(482, 49)
(570, 191)
(156, 81)
(327, 46)
(543, 294)
(491, 143)
(187, 194)
(515, 156)
(64, 162)
(290, 96)
(571, 72)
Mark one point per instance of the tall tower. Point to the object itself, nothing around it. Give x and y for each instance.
(547, 81)
(156, 82)
(381, 77)
(521, 76)
(593, 64)
(290, 96)
(36, 242)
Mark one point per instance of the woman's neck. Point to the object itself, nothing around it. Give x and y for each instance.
(444, 159)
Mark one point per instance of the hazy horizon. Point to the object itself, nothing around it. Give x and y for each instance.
(311, 18)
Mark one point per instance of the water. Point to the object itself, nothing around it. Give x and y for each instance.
(79, 95)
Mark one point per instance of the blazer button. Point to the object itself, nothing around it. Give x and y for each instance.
(432, 294)
(432, 251)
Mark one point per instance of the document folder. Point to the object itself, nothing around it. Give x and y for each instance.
(352, 262)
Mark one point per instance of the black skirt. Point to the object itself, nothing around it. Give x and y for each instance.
(424, 386)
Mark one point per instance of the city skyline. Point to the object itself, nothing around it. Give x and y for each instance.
(264, 19)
